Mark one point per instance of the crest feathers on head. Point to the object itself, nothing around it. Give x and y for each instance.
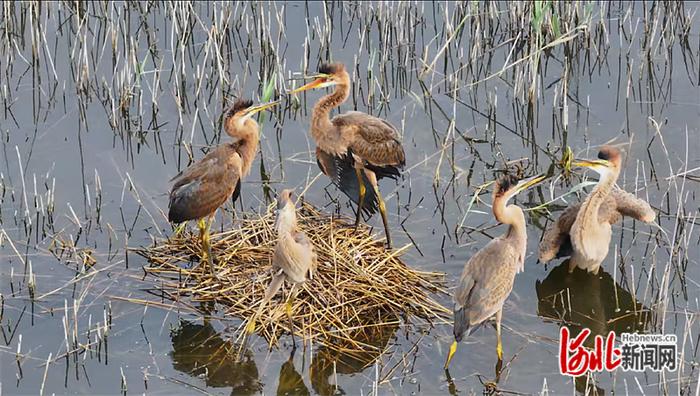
(238, 105)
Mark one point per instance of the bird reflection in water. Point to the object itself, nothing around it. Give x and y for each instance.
(290, 381)
(583, 300)
(344, 358)
(198, 350)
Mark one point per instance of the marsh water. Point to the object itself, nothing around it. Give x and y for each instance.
(102, 103)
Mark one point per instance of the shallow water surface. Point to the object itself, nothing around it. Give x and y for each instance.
(103, 103)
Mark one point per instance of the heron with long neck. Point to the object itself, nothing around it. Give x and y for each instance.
(294, 258)
(590, 234)
(487, 278)
(353, 149)
(205, 185)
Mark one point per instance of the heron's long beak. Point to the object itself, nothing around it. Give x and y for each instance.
(527, 183)
(317, 83)
(256, 109)
(453, 349)
(593, 164)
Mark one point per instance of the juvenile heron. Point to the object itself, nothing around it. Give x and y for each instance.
(294, 258)
(205, 185)
(487, 278)
(354, 148)
(584, 230)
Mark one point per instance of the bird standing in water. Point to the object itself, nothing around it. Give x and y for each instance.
(584, 230)
(487, 278)
(205, 185)
(294, 258)
(354, 148)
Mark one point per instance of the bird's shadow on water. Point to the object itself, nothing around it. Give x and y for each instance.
(290, 381)
(345, 359)
(201, 352)
(580, 300)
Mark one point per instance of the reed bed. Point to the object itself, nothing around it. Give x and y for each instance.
(356, 279)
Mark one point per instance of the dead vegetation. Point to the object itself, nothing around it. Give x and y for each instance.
(357, 278)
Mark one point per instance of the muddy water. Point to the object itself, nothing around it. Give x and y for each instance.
(91, 136)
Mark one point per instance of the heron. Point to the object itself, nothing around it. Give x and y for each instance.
(294, 258)
(584, 231)
(487, 278)
(353, 149)
(199, 190)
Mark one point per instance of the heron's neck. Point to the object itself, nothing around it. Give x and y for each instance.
(514, 217)
(286, 220)
(591, 205)
(322, 130)
(247, 147)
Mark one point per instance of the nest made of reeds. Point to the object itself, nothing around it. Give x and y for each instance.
(356, 279)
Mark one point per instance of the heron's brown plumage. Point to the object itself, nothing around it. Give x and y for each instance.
(556, 240)
(370, 138)
(205, 185)
(369, 145)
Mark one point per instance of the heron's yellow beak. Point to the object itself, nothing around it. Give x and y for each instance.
(527, 183)
(453, 349)
(319, 82)
(256, 109)
(593, 164)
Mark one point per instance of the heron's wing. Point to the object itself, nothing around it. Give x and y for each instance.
(629, 205)
(485, 283)
(556, 236)
(341, 171)
(205, 185)
(294, 258)
(372, 139)
(555, 241)
(308, 248)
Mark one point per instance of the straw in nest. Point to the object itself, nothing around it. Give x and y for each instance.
(358, 284)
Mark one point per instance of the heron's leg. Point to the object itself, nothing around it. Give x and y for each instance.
(201, 224)
(499, 370)
(288, 308)
(382, 208)
(180, 228)
(361, 200)
(499, 345)
(205, 225)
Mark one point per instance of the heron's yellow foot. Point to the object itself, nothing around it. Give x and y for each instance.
(490, 387)
(250, 327)
(453, 349)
